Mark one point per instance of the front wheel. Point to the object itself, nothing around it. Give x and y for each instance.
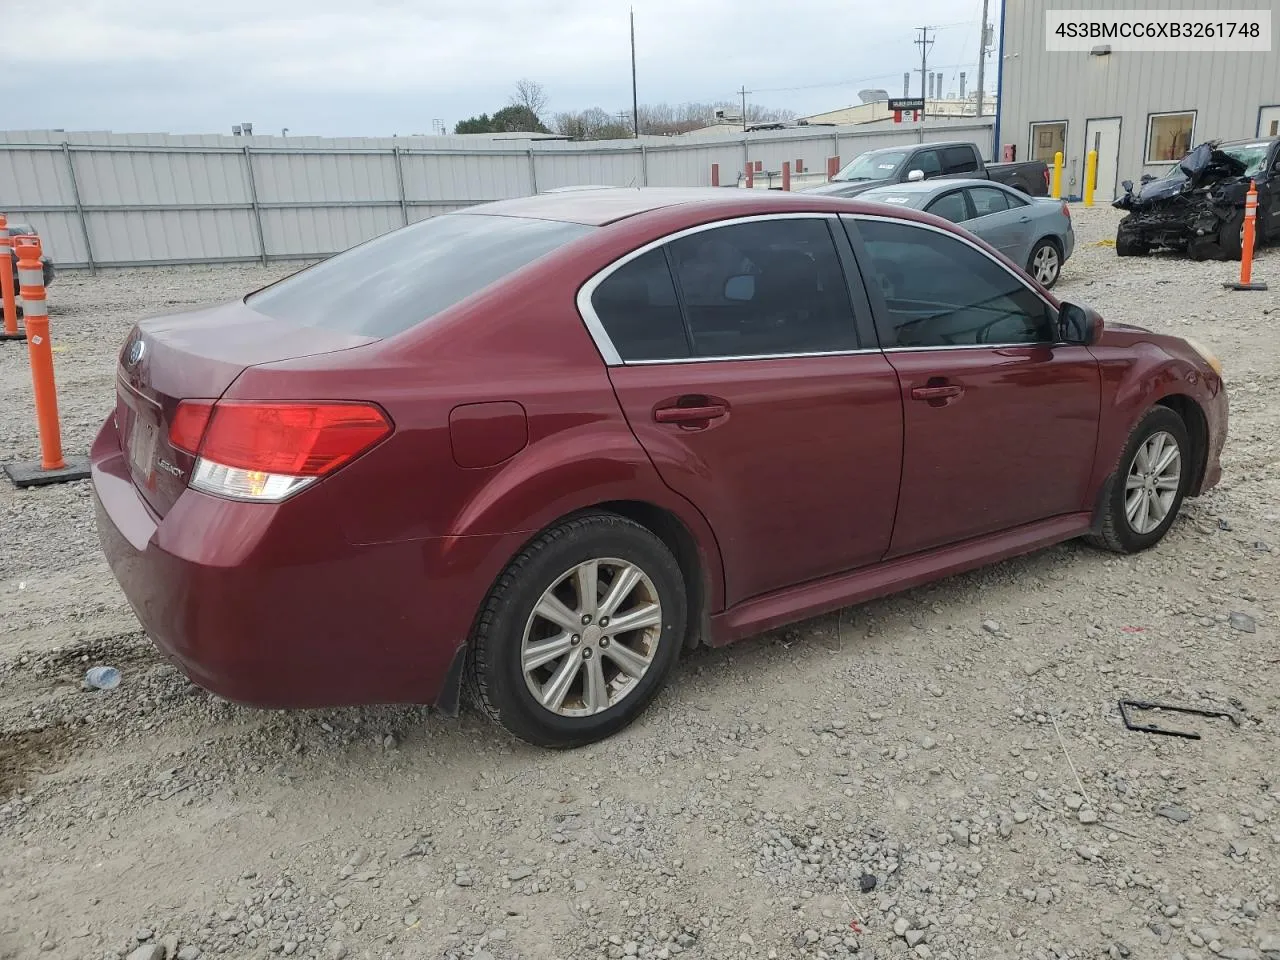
(1146, 490)
(580, 632)
(1045, 262)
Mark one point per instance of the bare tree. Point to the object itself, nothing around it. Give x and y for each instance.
(531, 95)
(591, 124)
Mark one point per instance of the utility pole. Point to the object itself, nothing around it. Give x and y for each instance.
(743, 91)
(925, 45)
(982, 56)
(635, 104)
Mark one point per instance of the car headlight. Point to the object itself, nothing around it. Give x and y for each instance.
(1206, 354)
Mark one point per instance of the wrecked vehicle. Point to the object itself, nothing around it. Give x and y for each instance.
(1199, 206)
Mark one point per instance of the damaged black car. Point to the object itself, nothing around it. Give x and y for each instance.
(1199, 206)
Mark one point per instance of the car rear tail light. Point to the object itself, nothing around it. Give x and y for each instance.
(1066, 210)
(189, 423)
(1046, 178)
(269, 451)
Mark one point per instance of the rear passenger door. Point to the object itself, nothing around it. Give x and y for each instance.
(746, 365)
(1001, 219)
(959, 161)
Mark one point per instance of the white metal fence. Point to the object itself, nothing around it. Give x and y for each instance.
(103, 199)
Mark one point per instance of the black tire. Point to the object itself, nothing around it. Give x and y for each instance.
(1229, 238)
(1046, 243)
(1127, 245)
(1114, 530)
(494, 670)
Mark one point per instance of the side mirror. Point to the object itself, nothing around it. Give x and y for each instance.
(1127, 185)
(741, 288)
(1077, 325)
(915, 176)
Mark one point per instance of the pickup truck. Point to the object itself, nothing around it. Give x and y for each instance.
(1198, 207)
(926, 161)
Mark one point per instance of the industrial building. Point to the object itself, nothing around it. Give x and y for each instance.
(1141, 111)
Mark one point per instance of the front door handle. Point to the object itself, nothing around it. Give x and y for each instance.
(692, 411)
(946, 392)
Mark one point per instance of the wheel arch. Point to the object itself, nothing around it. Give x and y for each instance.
(1193, 417)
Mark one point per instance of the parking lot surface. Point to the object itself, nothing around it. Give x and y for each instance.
(940, 774)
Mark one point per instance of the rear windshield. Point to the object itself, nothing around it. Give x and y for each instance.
(387, 285)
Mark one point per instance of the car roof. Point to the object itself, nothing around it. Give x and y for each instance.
(597, 207)
(932, 186)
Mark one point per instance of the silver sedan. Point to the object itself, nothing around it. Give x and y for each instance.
(1034, 232)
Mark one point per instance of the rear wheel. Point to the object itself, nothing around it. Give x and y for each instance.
(1045, 262)
(580, 632)
(1146, 490)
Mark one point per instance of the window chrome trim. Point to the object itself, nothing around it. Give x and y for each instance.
(855, 217)
(595, 326)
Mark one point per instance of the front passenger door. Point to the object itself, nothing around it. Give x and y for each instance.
(1000, 420)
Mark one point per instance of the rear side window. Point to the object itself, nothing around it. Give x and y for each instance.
(764, 288)
(959, 160)
(988, 200)
(638, 307)
(389, 284)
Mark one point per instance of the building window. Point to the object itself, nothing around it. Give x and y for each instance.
(1169, 136)
(1048, 139)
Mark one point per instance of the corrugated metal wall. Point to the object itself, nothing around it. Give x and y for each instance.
(103, 199)
(1227, 90)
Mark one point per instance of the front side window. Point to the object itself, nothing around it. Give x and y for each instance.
(1169, 136)
(950, 206)
(959, 160)
(762, 288)
(988, 200)
(1252, 155)
(927, 162)
(941, 292)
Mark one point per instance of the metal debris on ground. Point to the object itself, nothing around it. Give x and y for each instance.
(1127, 705)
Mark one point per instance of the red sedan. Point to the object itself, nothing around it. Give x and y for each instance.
(542, 446)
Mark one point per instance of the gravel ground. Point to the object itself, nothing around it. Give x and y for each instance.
(942, 774)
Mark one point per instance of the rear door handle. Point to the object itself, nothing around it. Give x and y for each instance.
(691, 415)
(1024, 219)
(946, 392)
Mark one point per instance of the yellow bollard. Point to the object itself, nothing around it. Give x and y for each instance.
(1090, 177)
(1057, 175)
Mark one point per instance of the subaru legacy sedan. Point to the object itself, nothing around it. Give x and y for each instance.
(538, 448)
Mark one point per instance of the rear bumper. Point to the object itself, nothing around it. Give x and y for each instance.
(270, 605)
(1068, 243)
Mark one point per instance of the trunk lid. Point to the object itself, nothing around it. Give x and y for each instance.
(195, 356)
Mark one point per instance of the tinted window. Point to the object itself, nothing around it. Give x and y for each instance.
(767, 287)
(988, 200)
(950, 206)
(941, 292)
(387, 285)
(926, 160)
(638, 307)
(959, 160)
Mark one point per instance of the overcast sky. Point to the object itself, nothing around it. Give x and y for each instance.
(381, 67)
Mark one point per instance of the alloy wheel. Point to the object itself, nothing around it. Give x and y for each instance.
(1046, 264)
(591, 637)
(1151, 485)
